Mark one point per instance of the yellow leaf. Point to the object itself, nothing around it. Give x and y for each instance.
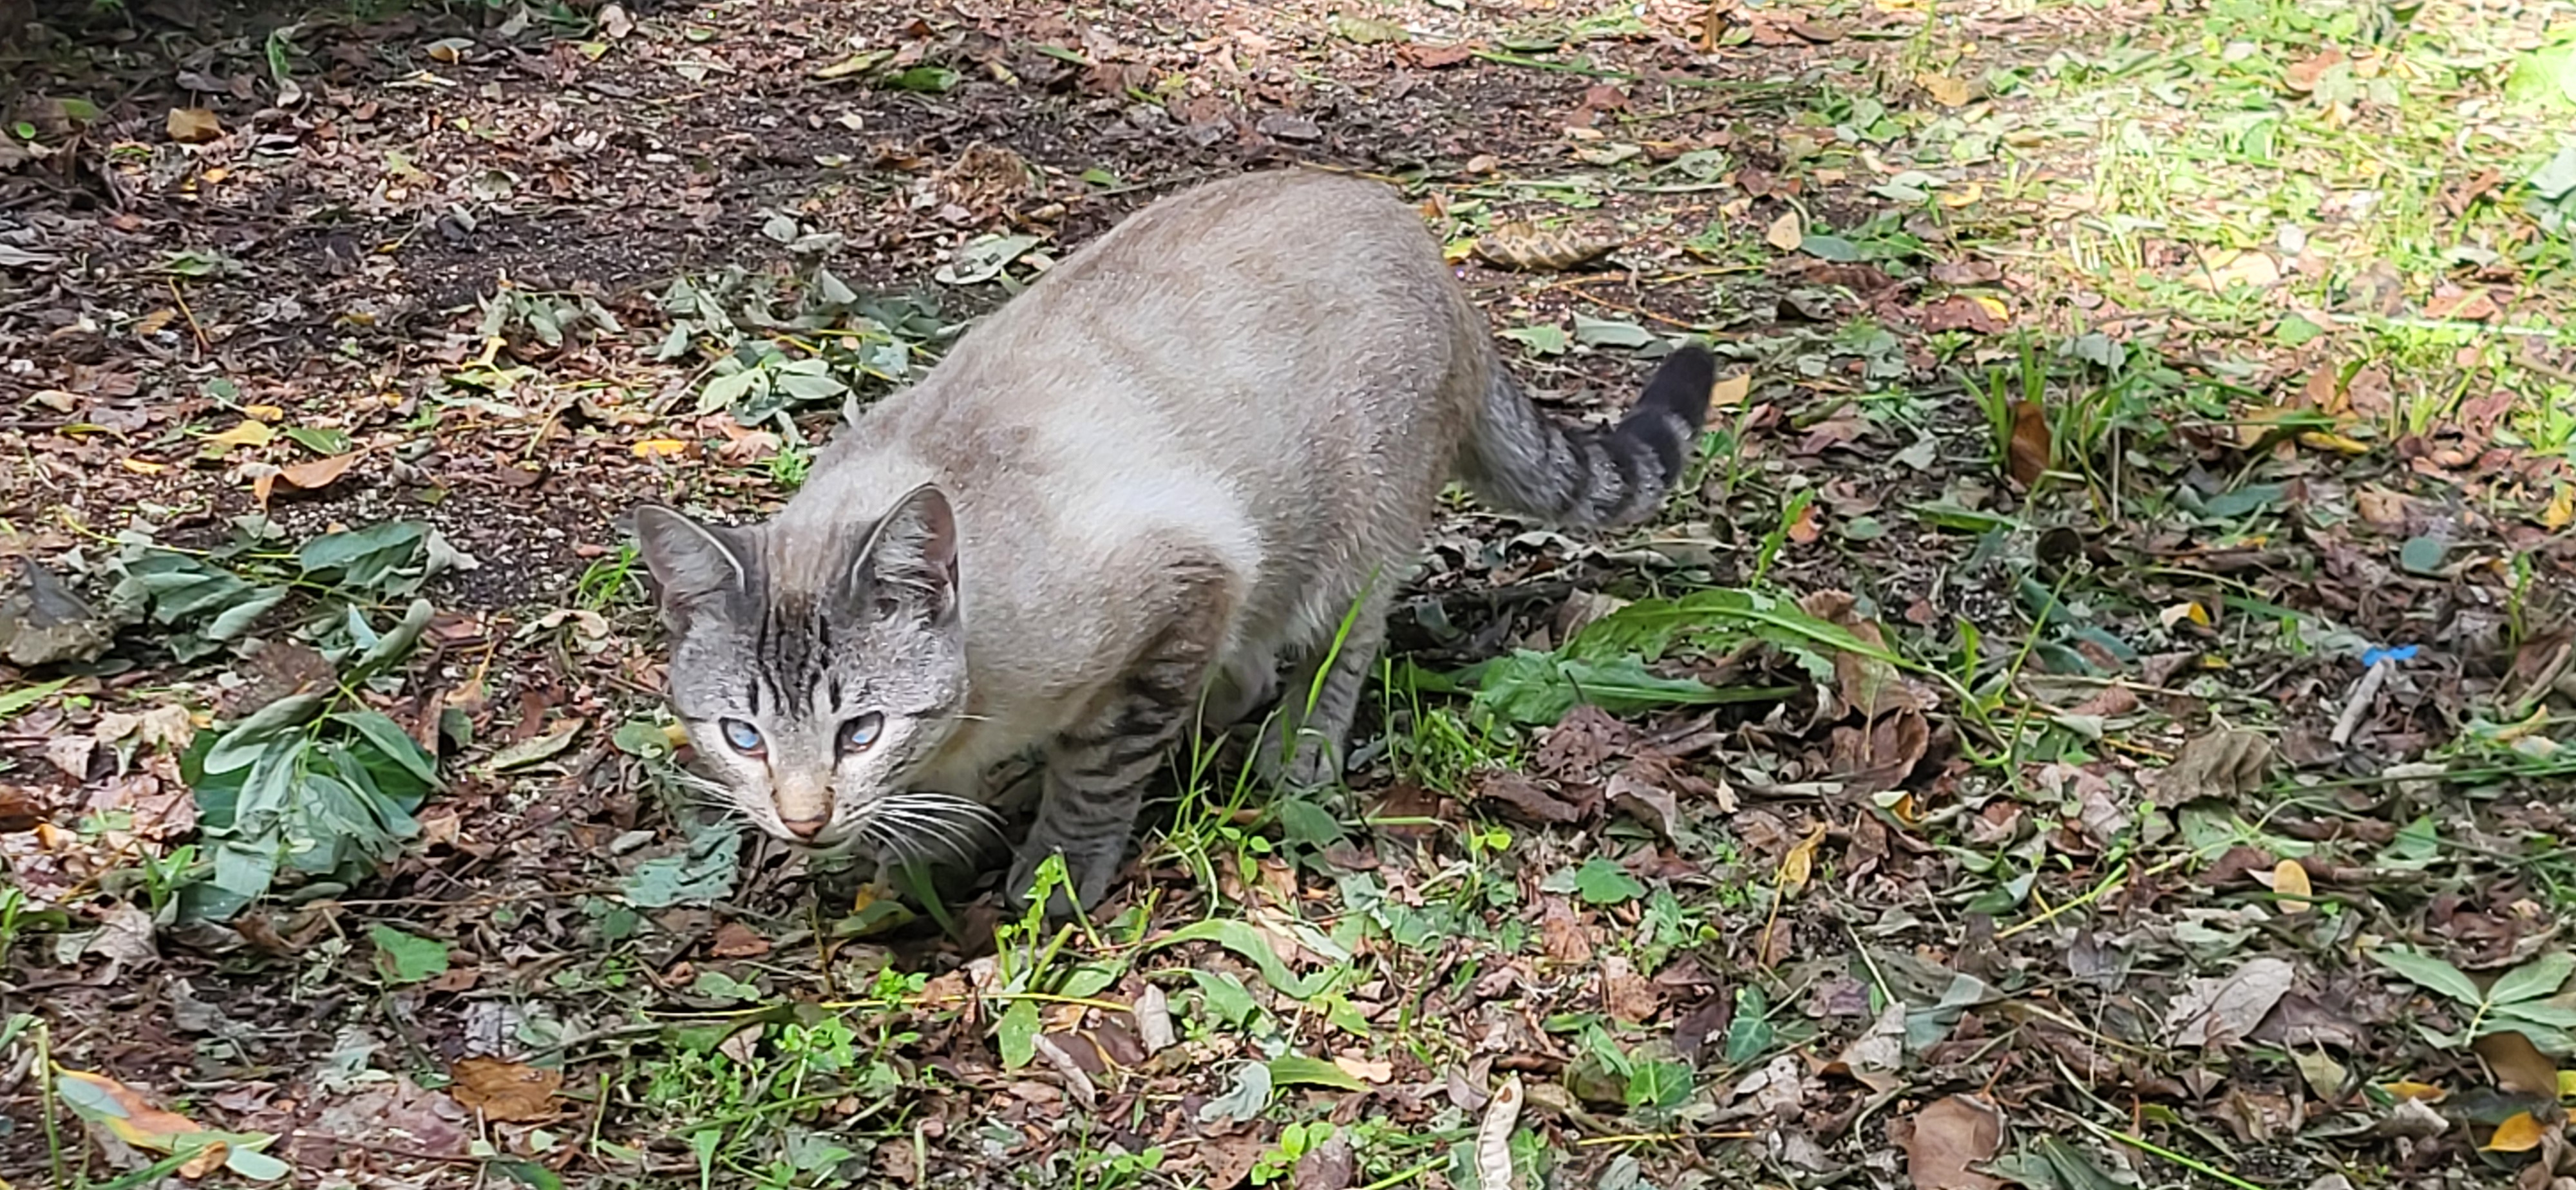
(140, 467)
(1457, 251)
(2561, 510)
(151, 324)
(2290, 879)
(2518, 1134)
(249, 433)
(1964, 194)
(2567, 1084)
(676, 734)
(263, 412)
(193, 125)
(660, 448)
(1796, 866)
(1993, 305)
(1784, 233)
(854, 64)
(2410, 1089)
(208, 1160)
(2180, 612)
(2321, 440)
(1730, 391)
(1946, 91)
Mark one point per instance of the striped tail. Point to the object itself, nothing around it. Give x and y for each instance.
(1522, 460)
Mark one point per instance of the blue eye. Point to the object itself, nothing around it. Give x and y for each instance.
(744, 737)
(861, 733)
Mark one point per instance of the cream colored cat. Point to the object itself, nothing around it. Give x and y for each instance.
(1185, 455)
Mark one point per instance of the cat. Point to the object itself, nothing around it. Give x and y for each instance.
(1207, 443)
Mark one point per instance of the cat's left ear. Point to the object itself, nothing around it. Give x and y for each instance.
(908, 565)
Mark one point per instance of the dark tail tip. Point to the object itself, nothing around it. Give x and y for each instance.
(1681, 385)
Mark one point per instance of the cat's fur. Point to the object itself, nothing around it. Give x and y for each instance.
(1184, 455)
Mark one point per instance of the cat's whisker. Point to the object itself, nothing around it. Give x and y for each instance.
(918, 817)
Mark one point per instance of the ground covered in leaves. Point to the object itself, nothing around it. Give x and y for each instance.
(2094, 721)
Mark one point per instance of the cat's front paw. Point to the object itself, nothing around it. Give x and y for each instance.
(1302, 764)
(1088, 875)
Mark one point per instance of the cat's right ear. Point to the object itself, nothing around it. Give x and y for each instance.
(697, 568)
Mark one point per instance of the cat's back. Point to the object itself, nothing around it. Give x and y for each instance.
(1260, 344)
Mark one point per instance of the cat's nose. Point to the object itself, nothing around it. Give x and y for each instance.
(803, 828)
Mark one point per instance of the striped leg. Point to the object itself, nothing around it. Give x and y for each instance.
(1096, 771)
(1302, 746)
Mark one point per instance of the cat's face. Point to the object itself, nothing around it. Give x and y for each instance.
(812, 703)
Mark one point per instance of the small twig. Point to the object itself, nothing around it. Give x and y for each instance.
(191, 315)
(2359, 704)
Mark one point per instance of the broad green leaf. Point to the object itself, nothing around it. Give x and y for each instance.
(1248, 942)
(14, 701)
(238, 618)
(1225, 996)
(1294, 1069)
(1246, 1100)
(406, 958)
(2533, 980)
(391, 742)
(2538, 1013)
(1659, 1084)
(1601, 332)
(934, 79)
(245, 740)
(701, 874)
(323, 442)
(1017, 1033)
(1541, 338)
(335, 551)
(2429, 973)
(1603, 882)
(392, 647)
(1539, 688)
(1305, 822)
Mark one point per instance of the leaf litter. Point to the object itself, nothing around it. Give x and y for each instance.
(2143, 776)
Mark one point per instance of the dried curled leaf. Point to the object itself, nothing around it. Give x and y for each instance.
(1529, 249)
(2219, 764)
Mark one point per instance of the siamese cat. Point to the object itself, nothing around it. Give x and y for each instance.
(1206, 444)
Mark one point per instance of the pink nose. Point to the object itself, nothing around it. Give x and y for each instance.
(803, 828)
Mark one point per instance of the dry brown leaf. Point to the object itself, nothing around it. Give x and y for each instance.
(1527, 799)
(1944, 90)
(2301, 76)
(319, 473)
(735, 940)
(1785, 233)
(194, 125)
(2029, 452)
(1629, 996)
(2520, 1068)
(2290, 880)
(1800, 861)
(1730, 391)
(2221, 1010)
(1948, 1137)
(2220, 764)
(1959, 312)
(1529, 249)
(2519, 1133)
(1560, 934)
(507, 1091)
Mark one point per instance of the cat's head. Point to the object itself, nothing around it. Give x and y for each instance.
(813, 674)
